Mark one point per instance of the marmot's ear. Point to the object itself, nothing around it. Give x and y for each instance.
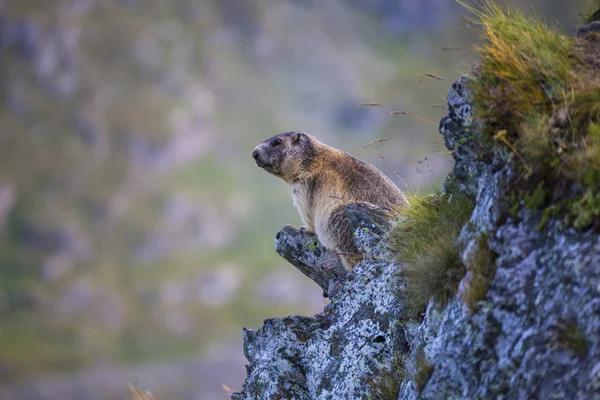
(296, 137)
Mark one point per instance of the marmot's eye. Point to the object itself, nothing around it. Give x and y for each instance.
(276, 142)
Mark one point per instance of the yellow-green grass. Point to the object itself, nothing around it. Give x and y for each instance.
(424, 241)
(593, 13)
(536, 92)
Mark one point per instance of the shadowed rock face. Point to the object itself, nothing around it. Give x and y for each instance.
(535, 335)
(547, 284)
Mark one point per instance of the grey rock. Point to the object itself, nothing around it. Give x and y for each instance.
(334, 354)
(304, 252)
(546, 282)
(591, 27)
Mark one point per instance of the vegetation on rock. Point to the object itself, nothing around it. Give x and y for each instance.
(481, 270)
(536, 93)
(593, 14)
(569, 336)
(423, 370)
(424, 240)
(386, 386)
(536, 98)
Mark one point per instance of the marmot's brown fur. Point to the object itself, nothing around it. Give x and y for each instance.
(324, 180)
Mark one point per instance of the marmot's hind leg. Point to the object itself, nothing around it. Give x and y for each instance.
(341, 234)
(350, 260)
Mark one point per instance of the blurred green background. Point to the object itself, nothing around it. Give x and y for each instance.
(136, 232)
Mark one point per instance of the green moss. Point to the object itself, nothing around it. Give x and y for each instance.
(386, 386)
(423, 370)
(569, 336)
(424, 241)
(312, 246)
(513, 204)
(537, 94)
(550, 212)
(537, 199)
(585, 209)
(482, 269)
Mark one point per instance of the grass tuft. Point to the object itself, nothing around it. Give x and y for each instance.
(593, 14)
(523, 65)
(537, 95)
(424, 240)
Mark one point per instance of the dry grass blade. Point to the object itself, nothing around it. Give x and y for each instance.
(469, 21)
(370, 104)
(435, 76)
(401, 178)
(139, 394)
(451, 48)
(380, 140)
(326, 262)
(400, 112)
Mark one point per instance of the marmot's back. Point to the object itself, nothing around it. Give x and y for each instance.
(324, 180)
(367, 183)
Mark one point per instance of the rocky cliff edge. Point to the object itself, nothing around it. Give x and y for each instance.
(534, 332)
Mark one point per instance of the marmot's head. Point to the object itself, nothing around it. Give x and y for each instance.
(286, 155)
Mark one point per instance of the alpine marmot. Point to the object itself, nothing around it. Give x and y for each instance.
(324, 180)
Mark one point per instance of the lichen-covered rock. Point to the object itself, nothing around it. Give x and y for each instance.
(534, 335)
(335, 354)
(591, 27)
(537, 332)
(304, 252)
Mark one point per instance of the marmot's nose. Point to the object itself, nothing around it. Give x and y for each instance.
(255, 156)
